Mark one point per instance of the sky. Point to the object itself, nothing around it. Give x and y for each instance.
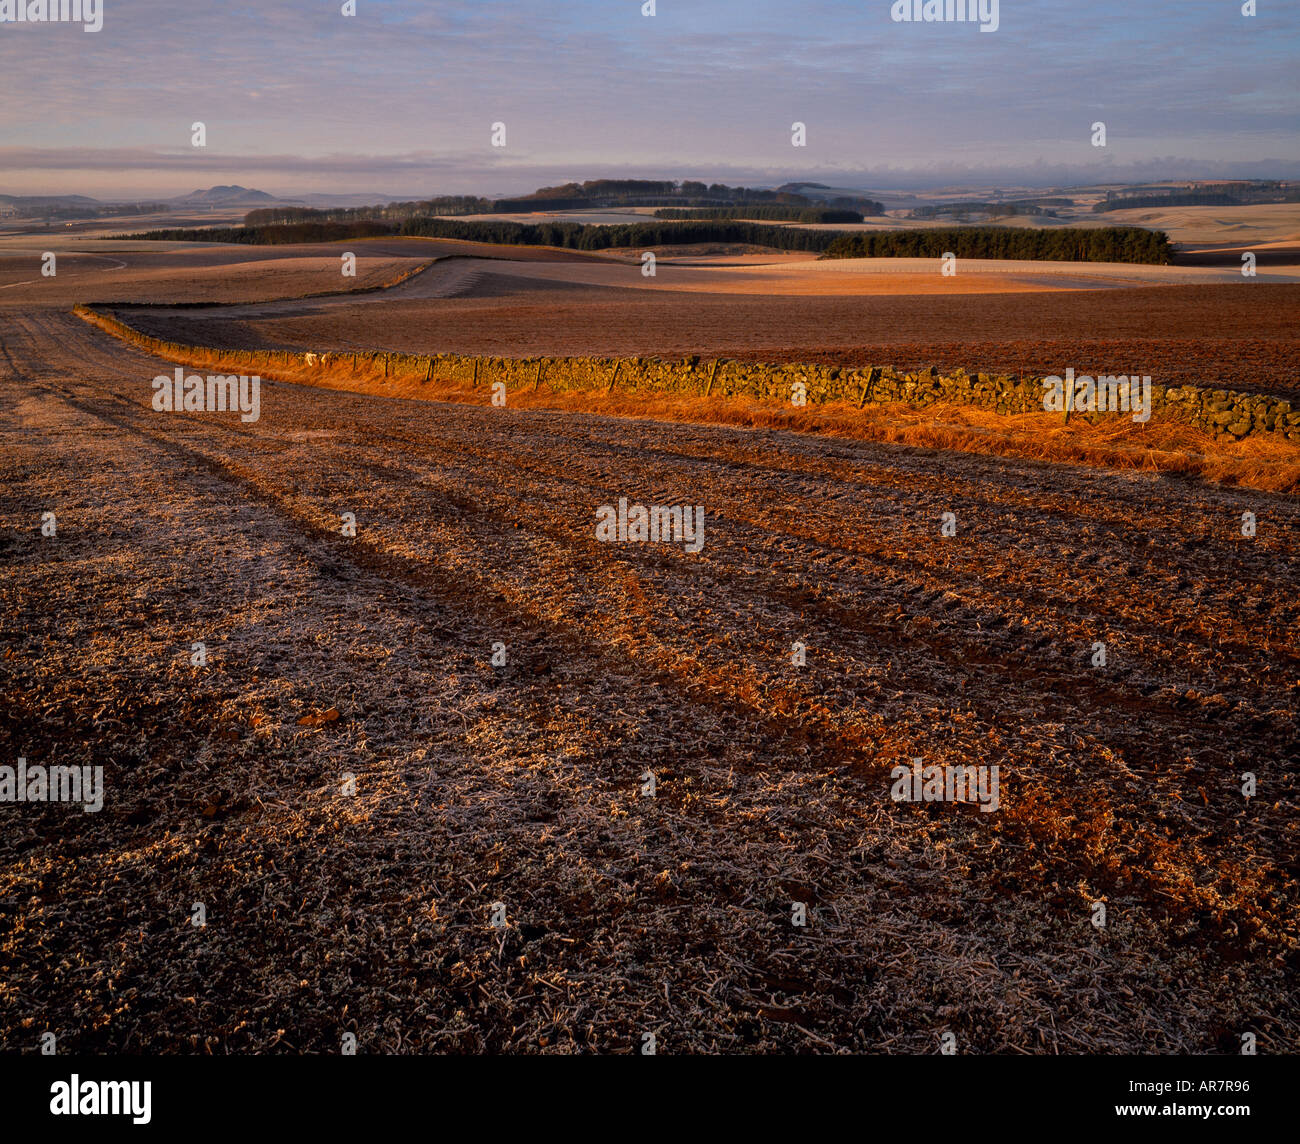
(399, 101)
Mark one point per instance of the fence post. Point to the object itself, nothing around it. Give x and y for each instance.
(617, 367)
(866, 388)
(712, 374)
(541, 364)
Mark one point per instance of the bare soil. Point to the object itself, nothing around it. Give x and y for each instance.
(520, 785)
(1239, 336)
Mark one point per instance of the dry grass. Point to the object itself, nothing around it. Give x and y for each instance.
(1160, 446)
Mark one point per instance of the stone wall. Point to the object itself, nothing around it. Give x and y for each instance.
(1225, 413)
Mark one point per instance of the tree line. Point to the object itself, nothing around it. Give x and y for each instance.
(577, 236)
(1215, 195)
(273, 235)
(569, 235)
(770, 212)
(1102, 244)
(629, 192)
(595, 193)
(1106, 244)
(993, 210)
(441, 205)
(1184, 199)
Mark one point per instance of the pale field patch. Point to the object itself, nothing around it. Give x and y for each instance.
(803, 274)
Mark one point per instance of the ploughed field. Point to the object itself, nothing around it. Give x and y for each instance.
(521, 784)
(1230, 336)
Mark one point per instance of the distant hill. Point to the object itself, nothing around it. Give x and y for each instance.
(844, 197)
(818, 191)
(37, 201)
(225, 196)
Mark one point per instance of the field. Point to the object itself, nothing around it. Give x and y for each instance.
(517, 791)
(1204, 324)
(1260, 224)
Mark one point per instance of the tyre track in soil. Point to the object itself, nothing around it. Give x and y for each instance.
(633, 572)
(1101, 698)
(854, 621)
(226, 477)
(555, 530)
(787, 976)
(1088, 700)
(960, 564)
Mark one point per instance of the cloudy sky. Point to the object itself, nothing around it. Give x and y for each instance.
(399, 101)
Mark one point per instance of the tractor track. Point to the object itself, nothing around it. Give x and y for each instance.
(519, 783)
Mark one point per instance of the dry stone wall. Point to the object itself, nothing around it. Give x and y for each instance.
(1225, 413)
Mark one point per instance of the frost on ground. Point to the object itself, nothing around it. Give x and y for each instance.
(521, 784)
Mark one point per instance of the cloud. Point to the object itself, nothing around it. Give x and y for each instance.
(411, 89)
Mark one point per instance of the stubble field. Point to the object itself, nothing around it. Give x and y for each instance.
(522, 784)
